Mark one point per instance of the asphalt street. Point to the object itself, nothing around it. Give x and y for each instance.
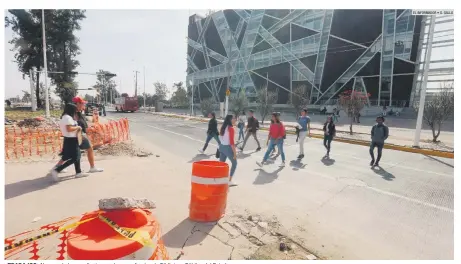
(338, 207)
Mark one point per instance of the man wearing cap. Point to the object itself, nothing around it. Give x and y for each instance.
(86, 144)
(379, 134)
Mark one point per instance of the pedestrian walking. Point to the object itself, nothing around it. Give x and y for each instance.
(212, 131)
(277, 134)
(71, 151)
(241, 125)
(304, 123)
(251, 130)
(227, 147)
(329, 132)
(86, 144)
(379, 134)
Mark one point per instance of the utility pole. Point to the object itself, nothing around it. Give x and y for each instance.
(45, 68)
(144, 70)
(267, 84)
(228, 74)
(136, 84)
(422, 100)
(32, 90)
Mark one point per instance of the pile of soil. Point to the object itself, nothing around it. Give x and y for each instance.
(122, 149)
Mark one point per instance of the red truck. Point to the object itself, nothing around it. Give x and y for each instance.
(126, 103)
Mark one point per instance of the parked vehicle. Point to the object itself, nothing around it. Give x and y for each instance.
(91, 106)
(126, 103)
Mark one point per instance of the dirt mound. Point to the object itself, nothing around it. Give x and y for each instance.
(122, 149)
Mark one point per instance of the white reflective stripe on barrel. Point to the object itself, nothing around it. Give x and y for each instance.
(209, 181)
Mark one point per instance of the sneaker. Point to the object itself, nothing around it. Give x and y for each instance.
(258, 149)
(260, 164)
(54, 175)
(282, 164)
(94, 169)
(201, 151)
(372, 162)
(377, 164)
(63, 171)
(80, 175)
(231, 184)
(301, 156)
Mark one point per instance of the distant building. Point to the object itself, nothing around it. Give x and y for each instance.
(327, 50)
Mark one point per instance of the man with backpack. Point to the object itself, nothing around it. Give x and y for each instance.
(251, 129)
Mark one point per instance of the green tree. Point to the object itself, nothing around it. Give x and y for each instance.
(64, 47)
(180, 96)
(26, 96)
(207, 106)
(161, 91)
(299, 99)
(61, 47)
(265, 101)
(238, 102)
(106, 86)
(27, 42)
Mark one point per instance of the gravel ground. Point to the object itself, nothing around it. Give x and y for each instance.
(127, 148)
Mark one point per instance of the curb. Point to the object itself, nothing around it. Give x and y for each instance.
(429, 152)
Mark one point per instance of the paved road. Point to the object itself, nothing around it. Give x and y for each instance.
(339, 208)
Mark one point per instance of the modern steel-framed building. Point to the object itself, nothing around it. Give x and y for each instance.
(326, 50)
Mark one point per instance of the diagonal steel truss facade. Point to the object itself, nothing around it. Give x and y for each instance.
(240, 62)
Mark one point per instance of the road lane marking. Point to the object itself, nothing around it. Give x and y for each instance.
(446, 209)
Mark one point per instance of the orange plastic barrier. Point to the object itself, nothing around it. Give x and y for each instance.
(97, 240)
(27, 142)
(208, 191)
(93, 236)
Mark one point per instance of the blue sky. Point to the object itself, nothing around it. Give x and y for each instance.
(122, 41)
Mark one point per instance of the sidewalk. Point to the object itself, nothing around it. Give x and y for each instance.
(233, 237)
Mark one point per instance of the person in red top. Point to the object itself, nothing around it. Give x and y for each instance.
(275, 138)
(227, 146)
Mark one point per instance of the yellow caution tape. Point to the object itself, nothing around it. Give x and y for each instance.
(140, 236)
(49, 233)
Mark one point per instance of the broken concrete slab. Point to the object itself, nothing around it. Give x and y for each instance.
(200, 246)
(256, 232)
(232, 231)
(243, 248)
(213, 230)
(269, 239)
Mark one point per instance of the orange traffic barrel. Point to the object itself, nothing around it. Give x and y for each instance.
(98, 240)
(210, 183)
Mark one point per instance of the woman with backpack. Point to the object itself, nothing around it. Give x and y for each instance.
(276, 137)
(329, 132)
(227, 147)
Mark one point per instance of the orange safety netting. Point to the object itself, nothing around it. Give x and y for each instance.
(49, 242)
(28, 142)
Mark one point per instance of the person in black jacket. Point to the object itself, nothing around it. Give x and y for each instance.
(329, 132)
(212, 131)
(251, 130)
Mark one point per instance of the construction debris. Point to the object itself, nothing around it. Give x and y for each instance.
(125, 203)
(122, 149)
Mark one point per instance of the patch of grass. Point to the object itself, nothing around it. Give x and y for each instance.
(21, 114)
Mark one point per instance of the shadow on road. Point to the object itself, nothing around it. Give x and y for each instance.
(200, 157)
(297, 165)
(440, 161)
(181, 233)
(383, 173)
(27, 186)
(327, 161)
(242, 155)
(265, 177)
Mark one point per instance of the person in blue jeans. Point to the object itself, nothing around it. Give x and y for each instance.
(212, 131)
(241, 125)
(227, 147)
(275, 138)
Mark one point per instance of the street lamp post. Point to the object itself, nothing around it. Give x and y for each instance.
(422, 100)
(228, 71)
(45, 68)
